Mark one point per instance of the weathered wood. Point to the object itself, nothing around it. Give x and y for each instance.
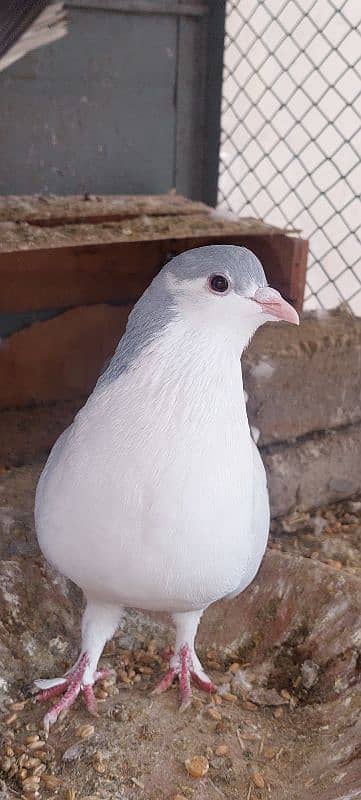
(58, 210)
(57, 252)
(60, 358)
(119, 272)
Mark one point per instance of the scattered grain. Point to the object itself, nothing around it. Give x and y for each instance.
(85, 731)
(249, 706)
(258, 780)
(229, 697)
(36, 745)
(108, 682)
(213, 713)
(18, 706)
(51, 781)
(31, 763)
(269, 753)
(22, 774)
(31, 784)
(39, 769)
(197, 767)
(101, 694)
(11, 718)
(100, 767)
(222, 750)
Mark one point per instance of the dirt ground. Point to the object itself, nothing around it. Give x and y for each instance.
(286, 657)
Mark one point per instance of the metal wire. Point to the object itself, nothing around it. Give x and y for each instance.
(291, 131)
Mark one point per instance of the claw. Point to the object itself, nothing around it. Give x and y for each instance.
(90, 700)
(182, 668)
(70, 686)
(166, 681)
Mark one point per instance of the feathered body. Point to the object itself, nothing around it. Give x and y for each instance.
(155, 497)
(148, 498)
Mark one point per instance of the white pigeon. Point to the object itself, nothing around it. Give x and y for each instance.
(156, 497)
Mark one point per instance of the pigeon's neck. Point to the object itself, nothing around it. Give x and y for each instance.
(187, 381)
(192, 368)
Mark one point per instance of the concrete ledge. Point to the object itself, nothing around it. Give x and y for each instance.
(319, 469)
(305, 379)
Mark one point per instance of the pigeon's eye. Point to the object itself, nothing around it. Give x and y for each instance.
(218, 283)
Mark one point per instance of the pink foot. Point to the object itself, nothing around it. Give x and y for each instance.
(69, 687)
(182, 666)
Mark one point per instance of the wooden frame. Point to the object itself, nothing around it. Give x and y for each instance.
(92, 286)
(60, 277)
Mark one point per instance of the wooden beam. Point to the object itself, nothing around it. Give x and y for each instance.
(60, 277)
(61, 358)
(48, 211)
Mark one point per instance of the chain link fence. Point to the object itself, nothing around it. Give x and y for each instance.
(291, 131)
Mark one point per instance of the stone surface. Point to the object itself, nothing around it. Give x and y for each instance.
(305, 379)
(314, 470)
(303, 741)
(28, 434)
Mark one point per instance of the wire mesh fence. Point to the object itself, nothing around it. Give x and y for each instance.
(291, 131)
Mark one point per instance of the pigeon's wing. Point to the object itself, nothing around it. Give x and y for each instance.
(260, 521)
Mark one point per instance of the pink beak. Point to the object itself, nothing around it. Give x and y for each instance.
(273, 303)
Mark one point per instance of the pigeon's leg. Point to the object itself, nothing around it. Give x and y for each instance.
(99, 624)
(185, 663)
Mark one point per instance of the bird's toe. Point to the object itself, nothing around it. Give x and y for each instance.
(185, 666)
(67, 689)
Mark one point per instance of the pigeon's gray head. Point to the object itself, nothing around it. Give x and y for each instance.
(224, 282)
(221, 288)
(239, 266)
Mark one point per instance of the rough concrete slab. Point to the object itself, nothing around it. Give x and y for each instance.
(313, 471)
(304, 379)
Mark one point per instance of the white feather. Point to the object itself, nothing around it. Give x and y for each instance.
(147, 500)
(48, 683)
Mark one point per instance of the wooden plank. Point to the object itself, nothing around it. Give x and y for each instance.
(15, 236)
(119, 272)
(61, 358)
(298, 272)
(74, 209)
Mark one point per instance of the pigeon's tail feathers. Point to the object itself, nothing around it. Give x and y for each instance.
(27, 25)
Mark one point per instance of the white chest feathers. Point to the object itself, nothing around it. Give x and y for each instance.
(148, 498)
